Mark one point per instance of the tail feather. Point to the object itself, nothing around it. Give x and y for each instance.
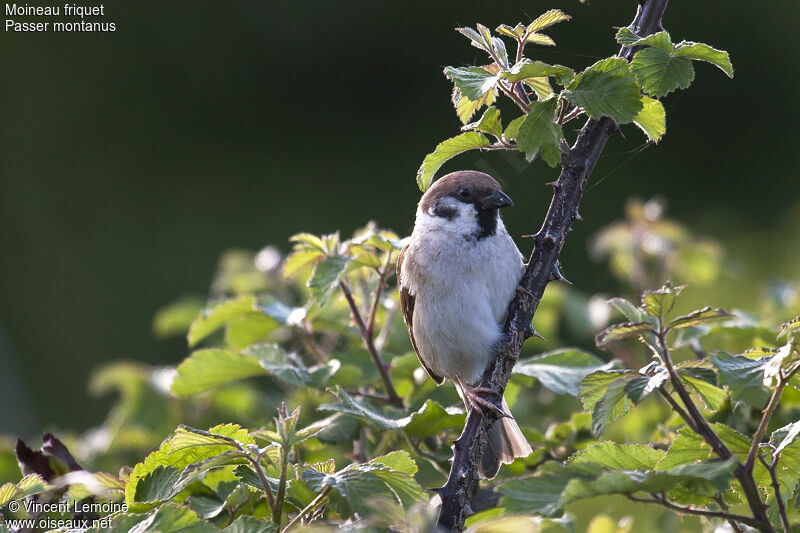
(506, 443)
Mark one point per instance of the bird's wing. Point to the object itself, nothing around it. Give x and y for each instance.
(407, 305)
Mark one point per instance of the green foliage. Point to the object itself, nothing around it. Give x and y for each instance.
(319, 330)
(611, 87)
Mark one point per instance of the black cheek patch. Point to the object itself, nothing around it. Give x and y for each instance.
(487, 222)
(441, 210)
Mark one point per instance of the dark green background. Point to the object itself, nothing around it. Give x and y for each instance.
(130, 160)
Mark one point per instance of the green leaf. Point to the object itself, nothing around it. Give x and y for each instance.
(713, 396)
(607, 89)
(284, 366)
(703, 52)
(743, 376)
(631, 311)
(326, 277)
(536, 69)
(660, 302)
(705, 478)
(206, 369)
(515, 33)
(698, 317)
(182, 456)
(488, 123)
(653, 376)
(539, 134)
(360, 409)
(561, 371)
(390, 476)
(652, 119)
(612, 406)
(250, 524)
(447, 150)
(790, 328)
(593, 387)
(626, 37)
(622, 331)
(612, 455)
(159, 485)
(659, 72)
(783, 437)
(171, 518)
(177, 317)
(540, 494)
(547, 19)
(512, 130)
(433, 420)
(473, 82)
(217, 315)
(28, 486)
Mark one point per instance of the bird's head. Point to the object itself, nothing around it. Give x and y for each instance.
(464, 202)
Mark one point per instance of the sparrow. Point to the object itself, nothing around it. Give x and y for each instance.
(456, 276)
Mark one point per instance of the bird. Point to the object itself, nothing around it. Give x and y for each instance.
(456, 276)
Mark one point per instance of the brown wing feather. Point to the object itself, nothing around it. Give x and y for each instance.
(407, 305)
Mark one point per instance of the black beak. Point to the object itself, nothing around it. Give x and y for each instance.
(496, 199)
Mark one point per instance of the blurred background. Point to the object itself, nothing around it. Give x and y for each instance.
(129, 161)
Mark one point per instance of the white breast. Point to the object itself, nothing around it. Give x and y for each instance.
(462, 292)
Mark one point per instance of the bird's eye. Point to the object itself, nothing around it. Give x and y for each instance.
(463, 192)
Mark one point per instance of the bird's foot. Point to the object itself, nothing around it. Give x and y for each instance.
(476, 399)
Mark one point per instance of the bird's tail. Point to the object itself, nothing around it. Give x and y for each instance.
(506, 443)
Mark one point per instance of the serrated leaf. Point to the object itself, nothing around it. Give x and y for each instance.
(713, 396)
(361, 409)
(659, 72)
(703, 52)
(512, 130)
(612, 406)
(593, 387)
(653, 376)
(783, 437)
(326, 277)
(172, 518)
(561, 371)
(526, 69)
(607, 89)
(488, 123)
(181, 458)
(613, 455)
(251, 524)
(206, 369)
(476, 39)
(28, 486)
(790, 328)
(539, 134)
(706, 478)
(540, 39)
(433, 420)
(660, 40)
(515, 33)
(541, 86)
(284, 366)
(698, 317)
(473, 82)
(445, 151)
(547, 19)
(622, 331)
(159, 485)
(217, 315)
(631, 311)
(652, 119)
(626, 37)
(743, 376)
(660, 302)
(540, 494)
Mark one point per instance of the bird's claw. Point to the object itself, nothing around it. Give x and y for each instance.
(474, 396)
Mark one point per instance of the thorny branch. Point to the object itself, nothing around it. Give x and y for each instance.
(577, 165)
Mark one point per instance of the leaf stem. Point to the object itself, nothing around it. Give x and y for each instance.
(772, 469)
(514, 96)
(256, 462)
(279, 497)
(308, 509)
(699, 512)
(369, 344)
(724, 506)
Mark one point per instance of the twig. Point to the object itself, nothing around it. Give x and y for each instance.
(702, 427)
(279, 497)
(373, 311)
(369, 343)
(772, 469)
(724, 506)
(308, 509)
(256, 462)
(699, 512)
(678, 409)
(762, 425)
(577, 166)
